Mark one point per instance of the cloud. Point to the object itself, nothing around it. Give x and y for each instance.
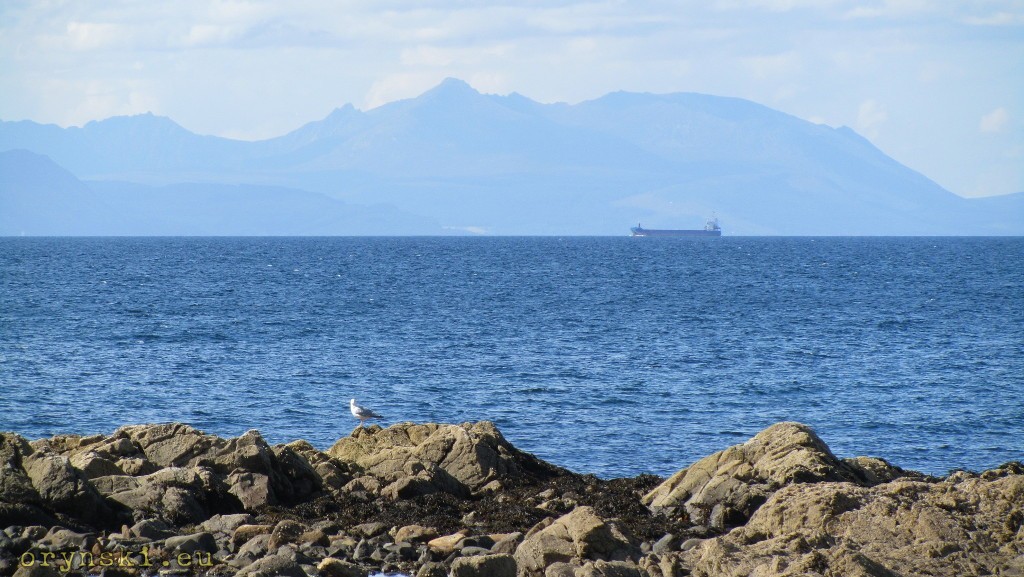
(997, 19)
(995, 121)
(871, 115)
(775, 65)
(398, 86)
(889, 9)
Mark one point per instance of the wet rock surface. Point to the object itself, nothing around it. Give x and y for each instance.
(439, 500)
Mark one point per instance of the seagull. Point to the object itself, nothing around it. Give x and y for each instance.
(362, 413)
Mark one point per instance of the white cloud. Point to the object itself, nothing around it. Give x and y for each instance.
(997, 19)
(995, 121)
(399, 86)
(870, 116)
(889, 9)
(774, 65)
(92, 35)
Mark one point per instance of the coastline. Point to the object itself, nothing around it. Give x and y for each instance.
(433, 499)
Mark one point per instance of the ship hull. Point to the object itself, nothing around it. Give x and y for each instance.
(637, 231)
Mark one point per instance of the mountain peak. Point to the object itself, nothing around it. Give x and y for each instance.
(451, 88)
(135, 122)
(342, 112)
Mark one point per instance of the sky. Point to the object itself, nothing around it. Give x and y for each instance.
(937, 85)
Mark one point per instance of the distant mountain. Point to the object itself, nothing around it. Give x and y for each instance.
(38, 197)
(509, 165)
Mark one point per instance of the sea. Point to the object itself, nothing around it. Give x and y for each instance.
(607, 355)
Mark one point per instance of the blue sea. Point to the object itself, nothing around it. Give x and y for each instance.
(613, 356)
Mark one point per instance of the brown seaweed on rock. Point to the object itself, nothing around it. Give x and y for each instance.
(460, 499)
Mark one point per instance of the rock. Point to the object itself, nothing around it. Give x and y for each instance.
(92, 465)
(253, 490)
(65, 489)
(37, 571)
(192, 543)
(60, 539)
(243, 533)
(286, 531)
(547, 495)
(665, 545)
(580, 534)
(226, 524)
(492, 488)
(410, 486)
(175, 495)
(179, 445)
(112, 484)
(873, 471)
(608, 569)
(903, 527)
(331, 567)
(415, 533)
(405, 550)
(315, 538)
(483, 541)
(507, 543)
(819, 516)
(561, 569)
(295, 472)
(273, 566)
(17, 494)
(362, 550)
(432, 569)
(255, 548)
(291, 478)
(484, 566)
(457, 459)
(540, 526)
(446, 544)
(365, 483)
(333, 474)
(690, 544)
(371, 529)
(740, 478)
(136, 466)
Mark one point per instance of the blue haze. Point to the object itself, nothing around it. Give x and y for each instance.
(454, 160)
(615, 356)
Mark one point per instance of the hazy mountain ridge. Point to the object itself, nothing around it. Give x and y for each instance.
(509, 165)
(40, 198)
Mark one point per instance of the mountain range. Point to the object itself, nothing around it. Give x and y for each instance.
(453, 160)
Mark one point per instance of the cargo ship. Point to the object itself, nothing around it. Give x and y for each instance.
(710, 229)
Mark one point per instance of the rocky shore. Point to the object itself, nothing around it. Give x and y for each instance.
(435, 500)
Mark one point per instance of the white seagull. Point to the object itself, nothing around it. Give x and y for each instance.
(362, 413)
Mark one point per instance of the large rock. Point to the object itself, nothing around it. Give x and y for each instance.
(66, 490)
(580, 535)
(964, 525)
(457, 459)
(607, 569)
(15, 484)
(177, 495)
(724, 489)
(332, 473)
(273, 566)
(179, 445)
(484, 566)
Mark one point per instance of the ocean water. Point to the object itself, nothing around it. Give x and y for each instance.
(613, 356)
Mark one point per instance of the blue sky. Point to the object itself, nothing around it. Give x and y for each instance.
(937, 85)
